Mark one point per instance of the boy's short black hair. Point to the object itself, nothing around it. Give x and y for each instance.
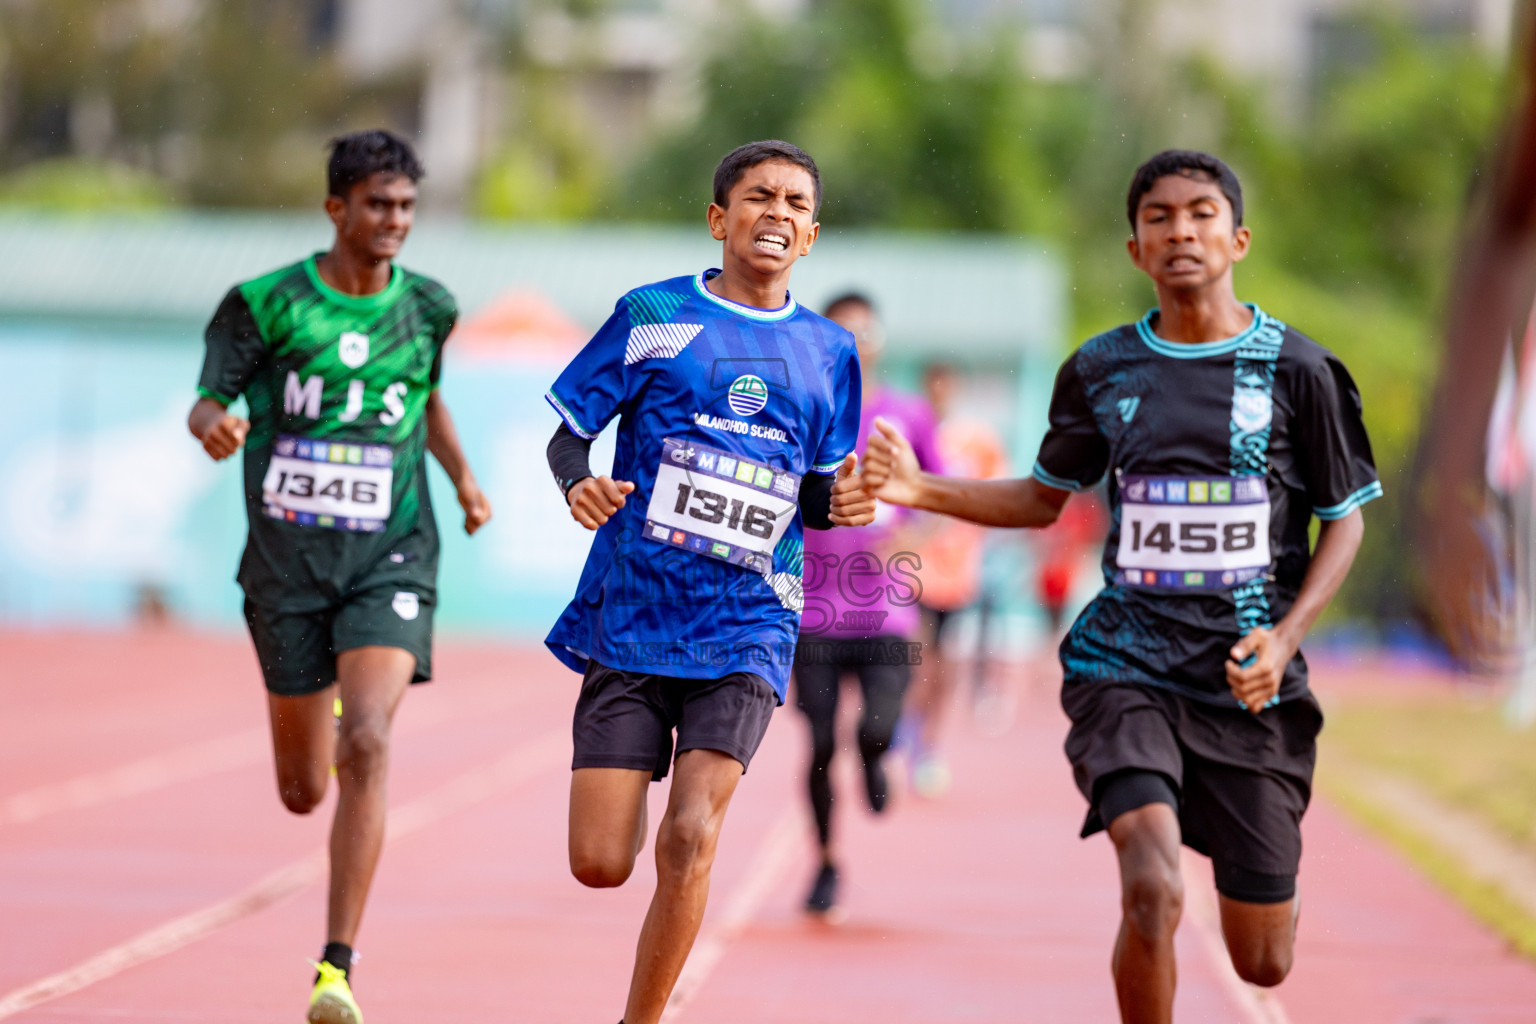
(1187, 163)
(356, 156)
(743, 158)
(850, 298)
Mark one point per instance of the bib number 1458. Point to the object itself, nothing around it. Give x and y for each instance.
(1194, 538)
(1203, 532)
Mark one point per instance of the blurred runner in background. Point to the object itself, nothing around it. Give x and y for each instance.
(861, 593)
(1060, 553)
(951, 553)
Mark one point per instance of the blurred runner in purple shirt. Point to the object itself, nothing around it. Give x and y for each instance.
(861, 616)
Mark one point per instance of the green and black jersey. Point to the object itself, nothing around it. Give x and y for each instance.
(335, 463)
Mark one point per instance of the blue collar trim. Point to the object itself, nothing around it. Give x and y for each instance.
(1198, 350)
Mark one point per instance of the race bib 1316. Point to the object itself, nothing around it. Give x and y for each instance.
(720, 505)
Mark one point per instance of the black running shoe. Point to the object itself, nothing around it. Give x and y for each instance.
(874, 784)
(823, 897)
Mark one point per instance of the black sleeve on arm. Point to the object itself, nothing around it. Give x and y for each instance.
(568, 458)
(235, 350)
(445, 314)
(816, 500)
(1334, 449)
(1074, 455)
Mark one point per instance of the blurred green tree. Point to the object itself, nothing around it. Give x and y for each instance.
(229, 103)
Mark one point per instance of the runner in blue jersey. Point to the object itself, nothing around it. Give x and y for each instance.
(738, 415)
(1220, 433)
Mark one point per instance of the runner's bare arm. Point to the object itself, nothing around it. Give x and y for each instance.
(221, 433)
(443, 442)
(1272, 649)
(891, 473)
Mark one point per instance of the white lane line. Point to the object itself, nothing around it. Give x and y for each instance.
(773, 858)
(1257, 1005)
(204, 757)
(519, 766)
(159, 771)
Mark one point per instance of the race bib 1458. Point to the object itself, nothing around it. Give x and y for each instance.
(329, 484)
(1196, 532)
(720, 505)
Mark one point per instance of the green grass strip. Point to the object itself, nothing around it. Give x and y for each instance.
(1484, 900)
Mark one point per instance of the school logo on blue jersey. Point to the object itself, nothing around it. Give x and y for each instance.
(748, 395)
(1128, 408)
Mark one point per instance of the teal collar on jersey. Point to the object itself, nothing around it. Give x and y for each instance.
(378, 299)
(1180, 350)
(751, 312)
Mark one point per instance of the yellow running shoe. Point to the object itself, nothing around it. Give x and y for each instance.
(331, 1002)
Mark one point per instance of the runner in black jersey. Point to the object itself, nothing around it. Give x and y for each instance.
(1219, 432)
(338, 357)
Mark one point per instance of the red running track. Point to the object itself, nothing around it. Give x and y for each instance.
(148, 873)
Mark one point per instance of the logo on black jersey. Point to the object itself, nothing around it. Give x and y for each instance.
(1252, 409)
(352, 349)
(1128, 407)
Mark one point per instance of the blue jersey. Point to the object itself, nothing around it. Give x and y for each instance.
(722, 409)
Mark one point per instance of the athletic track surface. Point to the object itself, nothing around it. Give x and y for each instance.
(148, 873)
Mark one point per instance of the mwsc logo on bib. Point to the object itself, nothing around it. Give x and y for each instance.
(748, 395)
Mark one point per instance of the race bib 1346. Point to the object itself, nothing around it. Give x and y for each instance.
(329, 484)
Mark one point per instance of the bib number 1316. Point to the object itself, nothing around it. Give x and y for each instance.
(713, 508)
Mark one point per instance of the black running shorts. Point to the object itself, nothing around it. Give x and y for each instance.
(1241, 782)
(297, 650)
(625, 719)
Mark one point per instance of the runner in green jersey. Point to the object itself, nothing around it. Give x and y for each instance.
(338, 357)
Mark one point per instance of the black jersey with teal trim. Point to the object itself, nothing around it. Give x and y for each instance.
(1269, 403)
(774, 390)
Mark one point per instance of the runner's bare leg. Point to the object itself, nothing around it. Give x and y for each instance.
(372, 681)
(702, 786)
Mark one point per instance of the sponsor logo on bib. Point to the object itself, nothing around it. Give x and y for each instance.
(352, 349)
(748, 395)
(1251, 409)
(406, 605)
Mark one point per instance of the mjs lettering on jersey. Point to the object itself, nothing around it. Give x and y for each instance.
(337, 385)
(304, 399)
